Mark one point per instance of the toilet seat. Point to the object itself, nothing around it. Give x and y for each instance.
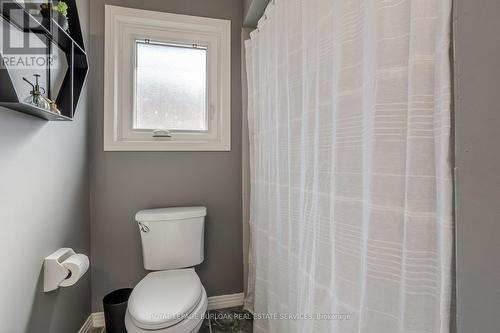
(167, 301)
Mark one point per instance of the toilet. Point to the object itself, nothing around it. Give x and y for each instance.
(170, 299)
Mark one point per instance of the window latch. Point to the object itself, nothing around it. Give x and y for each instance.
(162, 134)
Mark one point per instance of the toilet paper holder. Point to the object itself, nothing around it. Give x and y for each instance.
(54, 272)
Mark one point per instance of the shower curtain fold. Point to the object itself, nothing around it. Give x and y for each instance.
(351, 185)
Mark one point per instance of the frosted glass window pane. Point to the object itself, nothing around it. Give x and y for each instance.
(171, 87)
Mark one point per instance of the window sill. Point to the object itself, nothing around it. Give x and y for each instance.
(167, 145)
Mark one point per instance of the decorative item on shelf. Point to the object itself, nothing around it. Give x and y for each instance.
(53, 106)
(59, 13)
(36, 98)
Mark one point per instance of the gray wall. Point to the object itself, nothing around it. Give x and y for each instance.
(126, 182)
(44, 200)
(477, 118)
(252, 11)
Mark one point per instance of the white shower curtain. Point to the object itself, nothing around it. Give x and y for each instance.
(351, 186)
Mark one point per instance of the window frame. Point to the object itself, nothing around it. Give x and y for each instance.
(123, 27)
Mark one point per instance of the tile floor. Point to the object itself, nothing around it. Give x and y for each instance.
(232, 320)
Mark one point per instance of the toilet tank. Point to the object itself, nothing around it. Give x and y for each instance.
(172, 237)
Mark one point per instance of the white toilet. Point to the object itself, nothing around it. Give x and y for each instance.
(171, 299)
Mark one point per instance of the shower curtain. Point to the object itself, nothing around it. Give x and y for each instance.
(351, 184)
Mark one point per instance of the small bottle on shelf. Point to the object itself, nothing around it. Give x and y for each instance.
(36, 98)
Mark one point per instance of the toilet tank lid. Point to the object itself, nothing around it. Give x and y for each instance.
(172, 213)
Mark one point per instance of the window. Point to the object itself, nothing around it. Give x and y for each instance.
(167, 82)
(176, 100)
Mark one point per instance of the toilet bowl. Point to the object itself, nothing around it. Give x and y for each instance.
(171, 299)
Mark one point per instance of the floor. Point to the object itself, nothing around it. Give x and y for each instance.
(233, 320)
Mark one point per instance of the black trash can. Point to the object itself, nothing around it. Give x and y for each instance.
(115, 307)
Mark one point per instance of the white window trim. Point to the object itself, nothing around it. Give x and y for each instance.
(122, 27)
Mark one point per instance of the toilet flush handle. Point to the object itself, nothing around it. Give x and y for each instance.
(144, 227)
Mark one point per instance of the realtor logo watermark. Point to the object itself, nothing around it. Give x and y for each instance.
(21, 50)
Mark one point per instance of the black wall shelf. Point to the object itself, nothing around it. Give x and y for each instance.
(52, 35)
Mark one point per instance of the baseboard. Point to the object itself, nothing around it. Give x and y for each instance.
(88, 325)
(98, 319)
(225, 301)
(215, 302)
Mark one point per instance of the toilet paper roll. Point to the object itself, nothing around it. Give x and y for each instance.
(77, 265)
